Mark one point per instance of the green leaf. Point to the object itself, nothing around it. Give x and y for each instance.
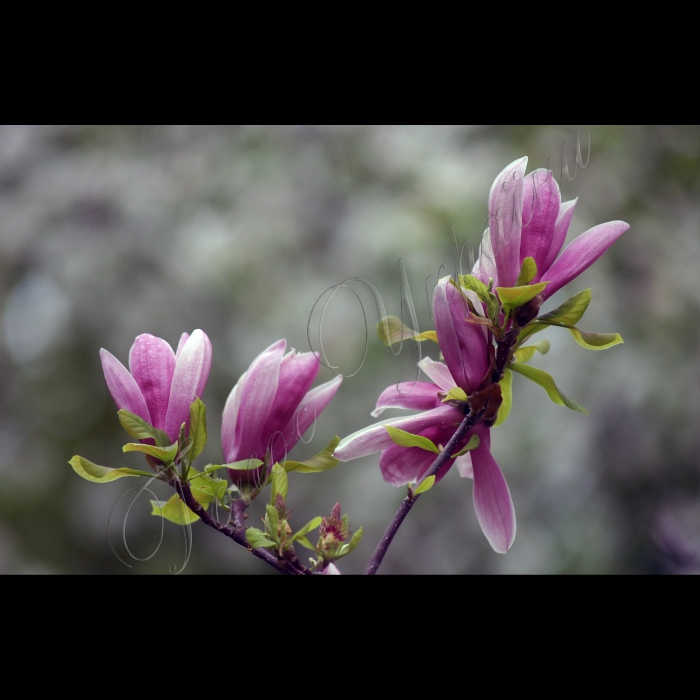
(198, 429)
(531, 328)
(528, 272)
(507, 398)
(174, 510)
(525, 354)
(206, 488)
(101, 475)
(311, 525)
(139, 429)
(305, 543)
(455, 394)
(596, 341)
(570, 312)
(280, 482)
(164, 454)
(272, 522)
(318, 463)
(474, 442)
(401, 437)
(391, 329)
(475, 285)
(513, 297)
(425, 485)
(547, 383)
(243, 465)
(258, 539)
(483, 292)
(349, 546)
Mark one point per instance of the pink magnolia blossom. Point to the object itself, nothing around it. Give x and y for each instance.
(162, 384)
(272, 406)
(464, 347)
(528, 219)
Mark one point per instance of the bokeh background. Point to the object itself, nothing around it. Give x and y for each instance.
(108, 232)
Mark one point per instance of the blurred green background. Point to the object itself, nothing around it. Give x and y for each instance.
(108, 232)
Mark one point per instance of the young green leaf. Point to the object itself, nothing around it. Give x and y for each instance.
(206, 488)
(280, 483)
(243, 465)
(547, 383)
(101, 475)
(272, 522)
(305, 543)
(174, 510)
(311, 525)
(139, 429)
(475, 285)
(596, 341)
(528, 272)
(570, 312)
(164, 454)
(424, 485)
(349, 546)
(391, 329)
(525, 354)
(257, 538)
(318, 463)
(513, 297)
(474, 442)
(455, 394)
(198, 429)
(484, 293)
(405, 439)
(507, 398)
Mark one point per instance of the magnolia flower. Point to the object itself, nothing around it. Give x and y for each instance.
(272, 406)
(528, 219)
(464, 347)
(162, 384)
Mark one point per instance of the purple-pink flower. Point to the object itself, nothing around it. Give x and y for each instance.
(162, 384)
(464, 347)
(272, 406)
(528, 219)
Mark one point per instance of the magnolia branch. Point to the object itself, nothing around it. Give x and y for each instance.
(237, 532)
(407, 503)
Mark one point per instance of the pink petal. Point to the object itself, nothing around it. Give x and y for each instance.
(183, 339)
(581, 254)
(492, 501)
(561, 228)
(464, 466)
(505, 220)
(331, 570)
(123, 387)
(297, 374)
(189, 379)
(485, 266)
(310, 408)
(438, 372)
(375, 438)
(152, 364)
(257, 395)
(541, 202)
(416, 396)
(462, 343)
(400, 465)
(229, 419)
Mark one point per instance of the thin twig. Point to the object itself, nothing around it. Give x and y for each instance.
(407, 503)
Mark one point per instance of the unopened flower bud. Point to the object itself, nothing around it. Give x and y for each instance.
(525, 313)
